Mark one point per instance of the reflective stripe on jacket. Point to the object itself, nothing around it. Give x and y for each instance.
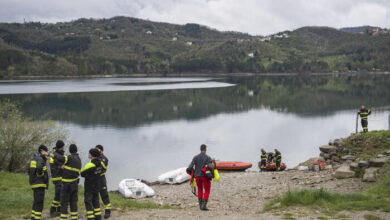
(55, 170)
(38, 176)
(92, 171)
(364, 113)
(278, 157)
(72, 166)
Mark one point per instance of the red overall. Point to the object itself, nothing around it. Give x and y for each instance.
(203, 182)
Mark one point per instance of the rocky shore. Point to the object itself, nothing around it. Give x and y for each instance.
(242, 195)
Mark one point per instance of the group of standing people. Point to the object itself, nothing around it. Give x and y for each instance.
(65, 171)
(268, 158)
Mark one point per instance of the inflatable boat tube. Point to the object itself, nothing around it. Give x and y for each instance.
(132, 188)
(237, 166)
(272, 166)
(174, 176)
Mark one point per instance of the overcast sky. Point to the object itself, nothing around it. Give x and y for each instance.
(257, 17)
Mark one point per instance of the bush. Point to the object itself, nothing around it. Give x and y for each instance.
(20, 136)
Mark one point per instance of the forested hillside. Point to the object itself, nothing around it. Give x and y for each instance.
(123, 45)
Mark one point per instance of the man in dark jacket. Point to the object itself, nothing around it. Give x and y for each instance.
(364, 113)
(278, 157)
(103, 183)
(70, 181)
(92, 171)
(56, 176)
(263, 162)
(39, 180)
(203, 164)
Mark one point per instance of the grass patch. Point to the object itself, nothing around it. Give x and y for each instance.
(341, 216)
(368, 145)
(371, 217)
(288, 215)
(330, 202)
(359, 172)
(16, 198)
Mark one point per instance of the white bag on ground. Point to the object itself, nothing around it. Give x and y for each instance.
(132, 188)
(303, 168)
(175, 176)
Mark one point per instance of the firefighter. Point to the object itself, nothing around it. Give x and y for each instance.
(263, 162)
(92, 172)
(70, 181)
(39, 180)
(56, 176)
(364, 113)
(103, 182)
(203, 164)
(278, 157)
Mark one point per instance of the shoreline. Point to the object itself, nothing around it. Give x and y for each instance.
(146, 75)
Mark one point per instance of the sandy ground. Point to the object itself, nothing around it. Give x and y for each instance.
(241, 195)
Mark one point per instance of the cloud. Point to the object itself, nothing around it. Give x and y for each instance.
(251, 16)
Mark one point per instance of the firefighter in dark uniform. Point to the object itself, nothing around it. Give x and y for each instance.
(278, 157)
(70, 181)
(39, 180)
(56, 176)
(92, 172)
(103, 192)
(364, 113)
(263, 162)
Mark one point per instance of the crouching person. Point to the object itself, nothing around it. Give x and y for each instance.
(203, 174)
(70, 181)
(92, 172)
(39, 180)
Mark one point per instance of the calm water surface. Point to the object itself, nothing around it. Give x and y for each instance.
(152, 125)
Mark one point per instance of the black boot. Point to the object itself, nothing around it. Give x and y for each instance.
(98, 217)
(200, 203)
(204, 205)
(53, 211)
(107, 213)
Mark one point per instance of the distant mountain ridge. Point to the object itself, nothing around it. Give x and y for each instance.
(124, 45)
(358, 29)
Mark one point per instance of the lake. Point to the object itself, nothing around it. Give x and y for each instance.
(152, 125)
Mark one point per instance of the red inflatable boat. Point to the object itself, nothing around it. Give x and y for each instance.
(236, 166)
(272, 167)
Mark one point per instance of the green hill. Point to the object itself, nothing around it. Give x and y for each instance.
(123, 45)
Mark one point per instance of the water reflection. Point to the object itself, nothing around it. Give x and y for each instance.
(105, 85)
(304, 96)
(149, 150)
(149, 132)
